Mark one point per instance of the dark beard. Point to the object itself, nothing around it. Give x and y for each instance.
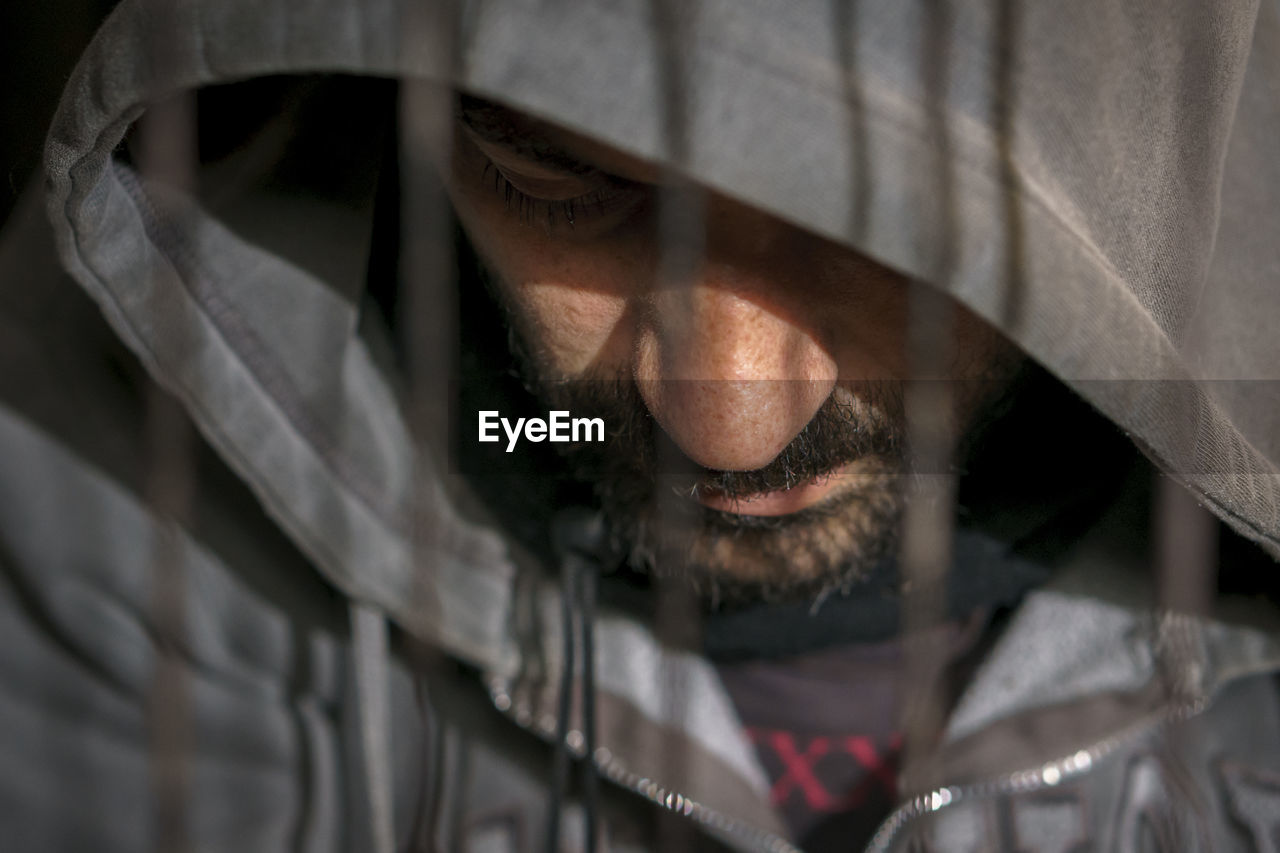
(647, 490)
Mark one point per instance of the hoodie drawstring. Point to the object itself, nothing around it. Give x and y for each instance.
(560, 760)
(369, 634)
(578, 536)
(587, 579)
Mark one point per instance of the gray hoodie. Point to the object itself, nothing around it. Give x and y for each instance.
(210, 666)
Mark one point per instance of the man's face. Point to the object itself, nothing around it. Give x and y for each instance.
(754, 403)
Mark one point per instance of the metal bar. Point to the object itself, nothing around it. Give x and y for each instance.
(428, 326)
(681, 237)
(167, 154)
(925, 555)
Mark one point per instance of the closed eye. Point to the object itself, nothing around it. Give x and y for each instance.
(556, 195)
(562, 204)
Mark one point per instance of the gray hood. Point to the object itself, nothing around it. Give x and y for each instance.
(1104, 192)
(1107, 197)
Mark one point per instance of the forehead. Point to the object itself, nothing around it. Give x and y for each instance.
(549, 144)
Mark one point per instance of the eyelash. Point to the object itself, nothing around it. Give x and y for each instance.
(568, 212)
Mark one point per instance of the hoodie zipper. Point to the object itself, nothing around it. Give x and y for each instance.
(1176, 636)
(616, 772)
(680, 804)
(1046, 775)
(1176, 643)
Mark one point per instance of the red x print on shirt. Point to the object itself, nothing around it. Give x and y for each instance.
(799, 771)
(799, 768)
(876, 763)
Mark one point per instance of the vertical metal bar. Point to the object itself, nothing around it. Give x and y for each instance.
(170, 483)
(928, 402)
(844, 18)
(1186, 550)
(1004, 94)
(1185, 538)
(167, 139)
(681, 239)
(428, 311)
(428, 305)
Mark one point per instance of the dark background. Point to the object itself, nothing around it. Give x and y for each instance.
(40, 41)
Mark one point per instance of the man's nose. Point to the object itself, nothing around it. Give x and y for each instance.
(731, 363)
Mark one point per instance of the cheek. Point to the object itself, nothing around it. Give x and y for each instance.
(574, 329)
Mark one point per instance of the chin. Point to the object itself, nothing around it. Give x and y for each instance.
(730, 557)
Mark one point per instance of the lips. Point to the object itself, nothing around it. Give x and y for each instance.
(775, 503)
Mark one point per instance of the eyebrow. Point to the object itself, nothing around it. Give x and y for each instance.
(498, 126)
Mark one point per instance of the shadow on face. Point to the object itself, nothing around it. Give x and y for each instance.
(753, 403)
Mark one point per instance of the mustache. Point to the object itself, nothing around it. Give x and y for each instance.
(856, 420)
(844, 429)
